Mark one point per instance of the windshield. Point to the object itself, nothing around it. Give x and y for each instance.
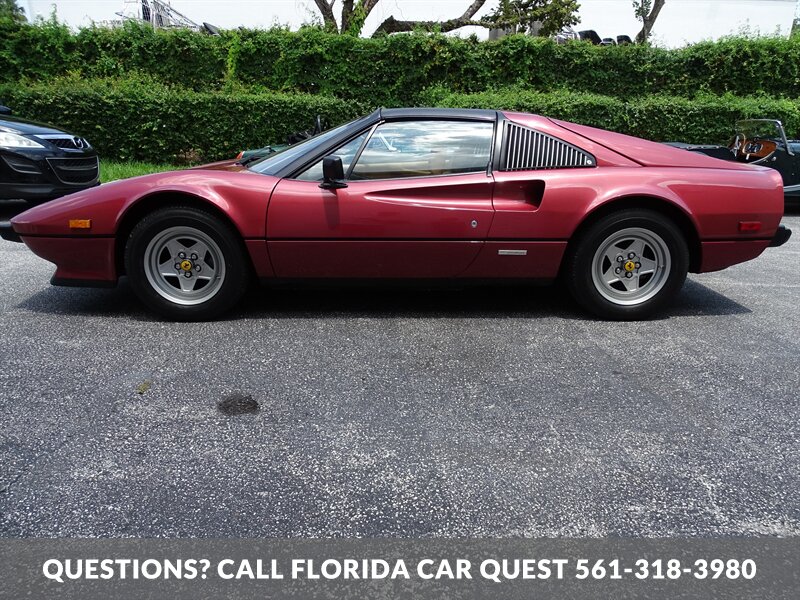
(273, 163)
(759, 128)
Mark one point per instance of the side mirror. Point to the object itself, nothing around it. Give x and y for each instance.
(4, 110)
(332, 173)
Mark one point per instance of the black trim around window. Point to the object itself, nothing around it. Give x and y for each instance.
(380, 116)
(404, 115)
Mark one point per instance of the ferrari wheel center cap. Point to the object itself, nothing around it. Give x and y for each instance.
(186, 265)
(630, 266)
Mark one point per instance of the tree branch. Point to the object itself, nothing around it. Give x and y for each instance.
(353, 17)
(392, 25)
(650, 20)
(326, 8)
(369, 5)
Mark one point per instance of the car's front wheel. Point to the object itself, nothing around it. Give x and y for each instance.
(628, 264)
(186, 264)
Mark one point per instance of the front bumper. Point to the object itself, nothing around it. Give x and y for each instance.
(7, 232)
(80, 261)
(36, 193)
(40, 175)
(781, 236)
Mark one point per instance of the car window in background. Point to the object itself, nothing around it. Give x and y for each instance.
(425, 148)
(347, 153)
(275, 162)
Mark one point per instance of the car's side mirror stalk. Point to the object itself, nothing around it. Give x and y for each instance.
(332, 173)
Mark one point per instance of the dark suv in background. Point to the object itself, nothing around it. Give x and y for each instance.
(40, 163)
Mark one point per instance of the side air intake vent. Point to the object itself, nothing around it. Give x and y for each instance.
(526, 149)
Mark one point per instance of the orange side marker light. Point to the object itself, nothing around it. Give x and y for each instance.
(80, 223)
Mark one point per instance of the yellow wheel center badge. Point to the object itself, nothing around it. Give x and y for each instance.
(186, 265)
(630, 266)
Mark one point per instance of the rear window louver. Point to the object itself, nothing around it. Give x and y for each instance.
(526, 149)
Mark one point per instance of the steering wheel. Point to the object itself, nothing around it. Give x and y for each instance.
(755, 150)
(736, 145)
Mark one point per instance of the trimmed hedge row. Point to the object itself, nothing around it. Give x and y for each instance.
(141, 120)
(705, 119)
(135, 120)
(394, 70)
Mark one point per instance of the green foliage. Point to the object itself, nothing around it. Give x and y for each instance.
(140, 120)
(658, 117)
(9, 9)
(523, 15)
(387, 71)
(357, 19)
(184, 97)
(177, 56)
(642, 8)
(145, 121)
(395, 70)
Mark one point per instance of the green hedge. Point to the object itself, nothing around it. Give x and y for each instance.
(136, 120)
(395, 70)
(142, 120)
(48, 50)
(704, 119)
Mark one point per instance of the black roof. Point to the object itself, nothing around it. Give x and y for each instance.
(382, 114)
(437, 113)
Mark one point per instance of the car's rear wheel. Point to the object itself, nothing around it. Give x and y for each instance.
(627, 265)
(186, 264)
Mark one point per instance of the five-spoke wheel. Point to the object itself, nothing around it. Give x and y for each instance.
(627, 264)
(186, 263)
(631, 266)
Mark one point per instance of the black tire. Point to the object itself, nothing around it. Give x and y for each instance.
(224, 280)
(664, 246)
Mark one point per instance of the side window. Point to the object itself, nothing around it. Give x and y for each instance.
(347, 153)
(526, 149)
(425, 148)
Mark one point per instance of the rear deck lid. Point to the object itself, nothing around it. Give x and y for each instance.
(650, 154)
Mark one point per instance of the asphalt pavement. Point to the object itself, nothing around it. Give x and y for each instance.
(481, 412)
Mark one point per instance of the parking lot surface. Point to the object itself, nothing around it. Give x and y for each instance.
(360, 412)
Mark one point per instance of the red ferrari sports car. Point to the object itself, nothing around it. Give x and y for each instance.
(415, 194)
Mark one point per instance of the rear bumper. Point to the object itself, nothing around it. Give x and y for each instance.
(7, 232)
(781, 236)
(721, 255)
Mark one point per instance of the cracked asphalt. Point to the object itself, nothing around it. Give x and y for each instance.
(459, 413)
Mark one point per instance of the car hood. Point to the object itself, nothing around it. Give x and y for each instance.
(240, 196)
(27, 127)
(224, 165)
(651, 154)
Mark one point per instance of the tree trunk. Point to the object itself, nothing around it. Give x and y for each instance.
(347, 13)
(326, 9)
(392, 25)
(649, 21)
(353, 18)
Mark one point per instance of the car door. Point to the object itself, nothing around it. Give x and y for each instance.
(418, 203)
(538, 190)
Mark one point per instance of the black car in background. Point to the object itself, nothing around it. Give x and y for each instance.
(40, 163)
(760, 142)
